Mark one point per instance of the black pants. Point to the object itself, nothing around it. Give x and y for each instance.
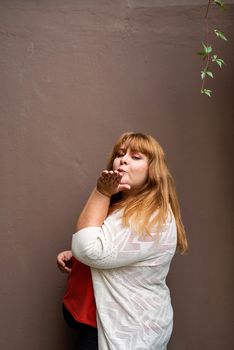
(86, 338)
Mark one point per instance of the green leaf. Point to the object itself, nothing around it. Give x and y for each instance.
(220, 3)
(210, 74)
(201, 53)
(206, 92)
(203, 74)
(206, 50)
(209, 49)
(220, 34)
(219, 61)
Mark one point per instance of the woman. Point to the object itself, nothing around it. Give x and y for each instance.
(127, 233)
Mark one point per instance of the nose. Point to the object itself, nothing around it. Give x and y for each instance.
(124, 159)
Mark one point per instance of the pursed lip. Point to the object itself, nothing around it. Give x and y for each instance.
(121, 170)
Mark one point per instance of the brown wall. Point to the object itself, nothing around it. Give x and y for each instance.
(74, 75)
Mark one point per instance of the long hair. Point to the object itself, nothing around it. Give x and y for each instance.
(151, 204)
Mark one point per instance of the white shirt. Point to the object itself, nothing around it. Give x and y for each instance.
(129, 270)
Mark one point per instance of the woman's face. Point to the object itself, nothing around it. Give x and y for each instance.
(134, 166)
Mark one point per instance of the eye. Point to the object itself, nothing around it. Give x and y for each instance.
(119, 154)
(136, 156)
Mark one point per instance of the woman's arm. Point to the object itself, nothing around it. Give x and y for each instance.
(96, 209)
(114, 245)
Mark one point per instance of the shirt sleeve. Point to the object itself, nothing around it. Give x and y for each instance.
(113, 246)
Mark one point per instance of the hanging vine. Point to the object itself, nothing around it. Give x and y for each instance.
(207, 52)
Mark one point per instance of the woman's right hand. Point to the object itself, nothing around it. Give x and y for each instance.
(64, 261)
(108, 183)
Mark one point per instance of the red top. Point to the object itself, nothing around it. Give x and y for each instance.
(79, 297)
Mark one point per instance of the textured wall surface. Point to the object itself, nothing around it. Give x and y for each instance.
(74, 75)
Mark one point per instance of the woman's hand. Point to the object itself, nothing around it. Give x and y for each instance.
(64, 261)
(109, 183)
(96, 208)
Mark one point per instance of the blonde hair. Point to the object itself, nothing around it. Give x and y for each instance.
(158, 193)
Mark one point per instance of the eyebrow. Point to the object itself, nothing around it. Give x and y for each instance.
(124, 149)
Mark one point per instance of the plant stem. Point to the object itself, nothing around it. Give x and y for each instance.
(207, 8)
(207, 41)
